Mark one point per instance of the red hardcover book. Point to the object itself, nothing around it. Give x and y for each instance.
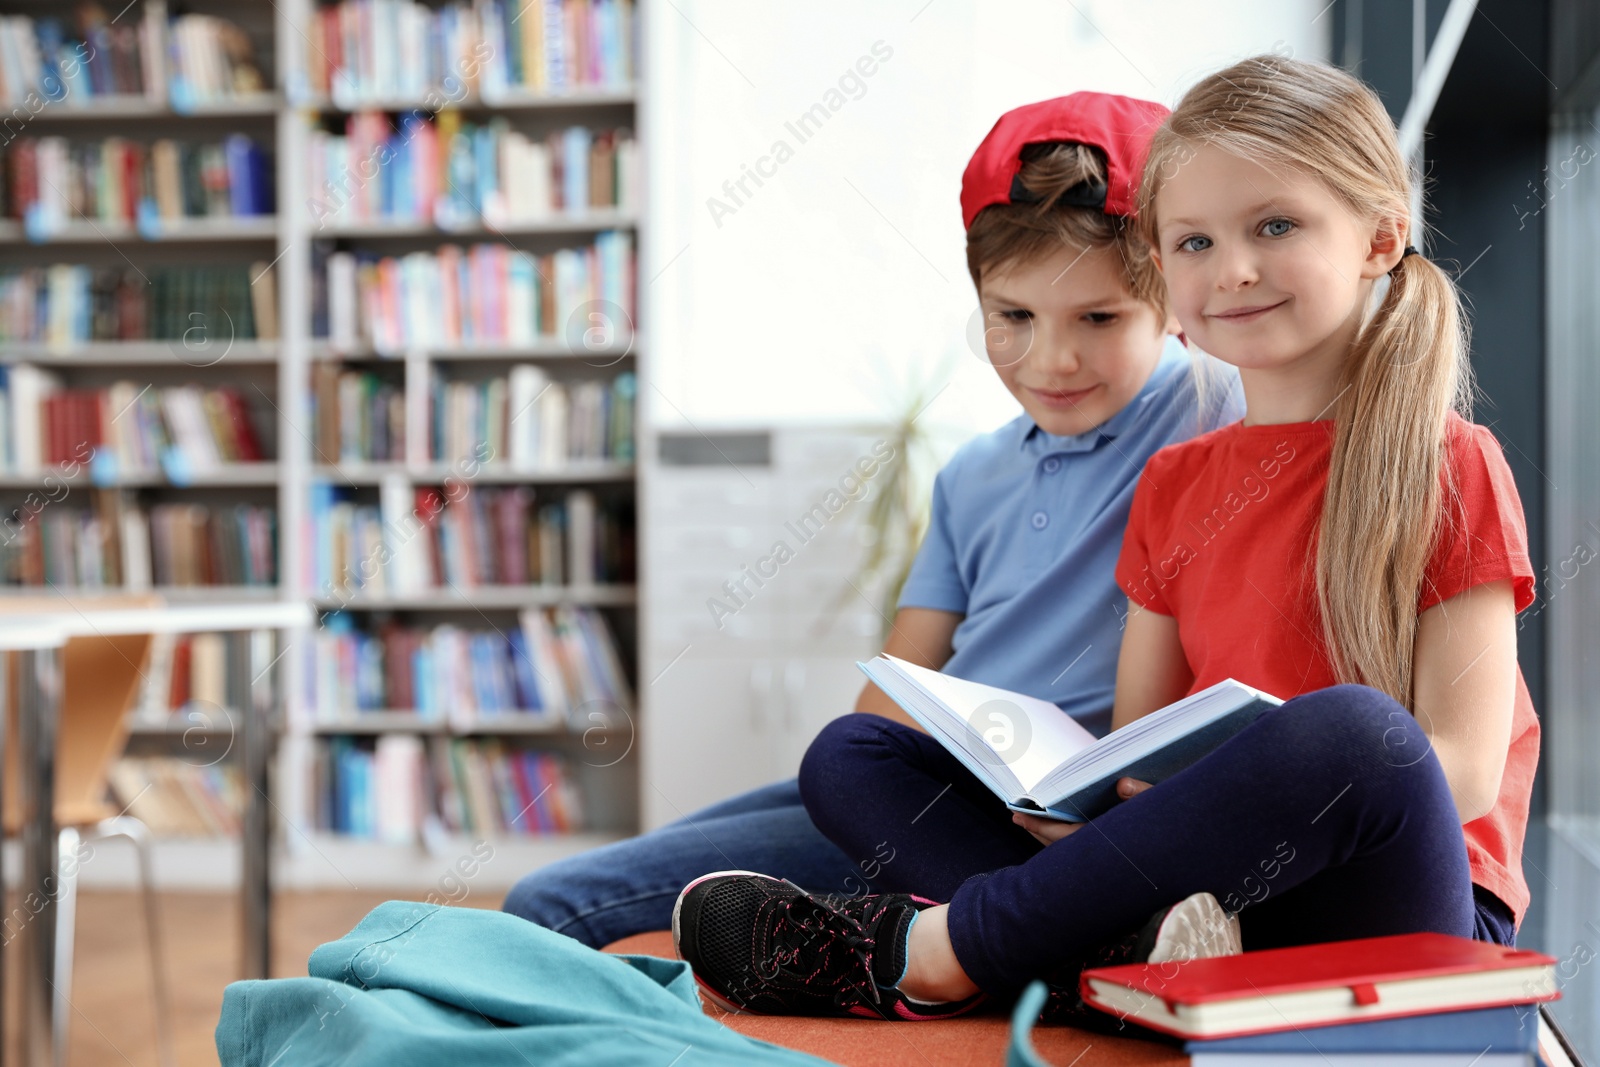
(1318, 985)
(332, 50)
(182, 665)
(245, 442)
(132, 179)
(25, 187)
(63, 424)
(77, 428)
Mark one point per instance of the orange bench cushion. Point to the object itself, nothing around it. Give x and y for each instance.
(974, 1039)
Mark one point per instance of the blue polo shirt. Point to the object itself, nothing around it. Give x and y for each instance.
(1024, 535)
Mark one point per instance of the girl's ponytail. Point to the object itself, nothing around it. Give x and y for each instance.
(1382, 512)
(1382, 507)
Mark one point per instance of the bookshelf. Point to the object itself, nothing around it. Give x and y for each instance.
(233, 80)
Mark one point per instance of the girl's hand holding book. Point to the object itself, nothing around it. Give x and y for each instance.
(1049, 831)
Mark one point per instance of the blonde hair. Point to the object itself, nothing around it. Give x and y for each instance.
(1383, 506)
(1003, 235)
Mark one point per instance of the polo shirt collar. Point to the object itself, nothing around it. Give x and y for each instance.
(1040, 443)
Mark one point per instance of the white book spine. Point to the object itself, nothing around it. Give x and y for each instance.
(135, 550)
(342, 324)
(580, 537)
(526, 383)
(29, 387)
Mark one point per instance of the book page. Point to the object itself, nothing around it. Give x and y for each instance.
(1031, 737)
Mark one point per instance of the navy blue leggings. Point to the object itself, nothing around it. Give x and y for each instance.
(1326, 819)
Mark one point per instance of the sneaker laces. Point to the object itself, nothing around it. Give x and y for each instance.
(805, 933)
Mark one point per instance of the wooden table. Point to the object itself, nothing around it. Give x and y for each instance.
(38, 641)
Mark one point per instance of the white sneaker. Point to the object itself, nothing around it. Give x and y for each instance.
(1195, 928)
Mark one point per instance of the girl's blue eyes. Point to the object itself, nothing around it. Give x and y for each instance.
(1270, 228)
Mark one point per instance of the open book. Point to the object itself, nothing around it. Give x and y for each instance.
(1039, 760)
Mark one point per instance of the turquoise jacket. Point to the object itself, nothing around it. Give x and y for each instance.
(416, 985)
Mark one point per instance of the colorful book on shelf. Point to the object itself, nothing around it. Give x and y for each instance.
(389, 790)
(488, 295)
(531, 421)
(38, 57)
(1315, 985)
(175, 797)
(486, 536)
(551, 665)
(52, 180)
(547, 45)
(66, 305)
(127, 427)
(210, 59)
(193, 545)
(359, 416)
(114, 543)
(389, 170)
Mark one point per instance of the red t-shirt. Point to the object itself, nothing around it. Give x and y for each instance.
(1221, 538)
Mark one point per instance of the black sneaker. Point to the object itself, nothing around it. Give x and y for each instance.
(764, 945)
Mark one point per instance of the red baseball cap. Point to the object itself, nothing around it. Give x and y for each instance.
(1119, 126)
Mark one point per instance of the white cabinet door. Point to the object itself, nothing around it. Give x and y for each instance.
(814, 690)
(708, 736)
(737, 680)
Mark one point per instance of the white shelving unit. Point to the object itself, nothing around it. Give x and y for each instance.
(278, 375)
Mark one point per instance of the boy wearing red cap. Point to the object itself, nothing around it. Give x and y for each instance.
(1013, 585)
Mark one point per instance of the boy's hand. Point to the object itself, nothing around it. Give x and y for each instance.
(1049, 831)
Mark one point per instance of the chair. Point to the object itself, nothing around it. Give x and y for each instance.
(100, 680)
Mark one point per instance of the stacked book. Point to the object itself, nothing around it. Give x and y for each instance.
(191, 59)
(1411, 1000)
(366, 50)
(45, 63)
(359, 416)
(531, 421)
(128, 428)
(543, 671)
(455, 173)
(114, 544)
(194, 545)
(487, 788)
(210, 59)
(186, 682)
(487, 295)
(49, 180)
(69, 304)
(177, 797)
(461, 537)
(557, 45)
(401, 784)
